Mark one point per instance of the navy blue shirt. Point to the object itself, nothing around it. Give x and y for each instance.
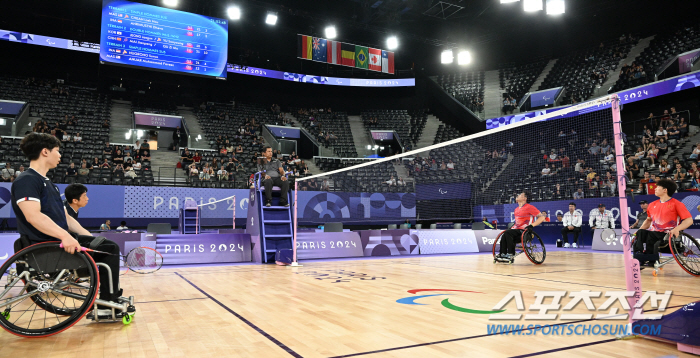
(33, 186)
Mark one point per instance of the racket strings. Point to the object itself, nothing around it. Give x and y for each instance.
(143, 259)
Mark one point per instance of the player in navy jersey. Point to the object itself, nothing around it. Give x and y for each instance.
(42, 216)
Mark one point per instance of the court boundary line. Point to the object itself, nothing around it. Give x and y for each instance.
(508, 333)
(182, 299)
(249, 323)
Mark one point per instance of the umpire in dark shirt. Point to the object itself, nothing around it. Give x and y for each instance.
(641, 217)
(274, 176)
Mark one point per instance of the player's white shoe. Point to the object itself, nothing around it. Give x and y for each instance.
(574, 245)
(567, 245)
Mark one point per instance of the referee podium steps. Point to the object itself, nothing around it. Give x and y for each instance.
(276, 227)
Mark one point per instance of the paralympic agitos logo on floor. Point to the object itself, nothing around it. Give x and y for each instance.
(411, 300)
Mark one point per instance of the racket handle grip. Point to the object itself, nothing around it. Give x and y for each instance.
(81, 248)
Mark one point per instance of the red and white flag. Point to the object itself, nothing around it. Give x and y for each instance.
(334, 52)
(387, 62)
(375, 59)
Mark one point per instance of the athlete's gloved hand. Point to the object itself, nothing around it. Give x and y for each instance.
(529, 228)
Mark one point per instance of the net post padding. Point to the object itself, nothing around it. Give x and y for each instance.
(632, 270)
(597, 102)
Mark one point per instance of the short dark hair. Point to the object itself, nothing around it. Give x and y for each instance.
(74, 192)
(265, 148)
(33, 143)
(123, 223)
(528, 196)
(572, 203)
(669, 185)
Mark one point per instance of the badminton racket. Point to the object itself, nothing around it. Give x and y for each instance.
(142, 260)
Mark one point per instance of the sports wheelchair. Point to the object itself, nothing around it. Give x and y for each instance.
(684, 249)
(45, 290)
(530, 243)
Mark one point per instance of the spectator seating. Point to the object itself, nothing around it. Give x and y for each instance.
(369, 179)
(324, 125)
(446, 132)
(661, 48)
(583, 70)
(466, 87)
(159, 106)
(516, 80)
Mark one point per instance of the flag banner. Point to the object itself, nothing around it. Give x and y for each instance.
(334, 54)
(344, 54)
(319, 50)
(375, 59)
(348, 53)
(388, 62)
(361, 57)
(304, 47)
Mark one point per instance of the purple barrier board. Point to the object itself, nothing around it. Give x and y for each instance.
(11, 107)
(204, 248)
(284, 132)
(686, 60)
(122, 238)
(7, 248)
(446, 241)
(311, 245)
(389, 242)
(157, 120)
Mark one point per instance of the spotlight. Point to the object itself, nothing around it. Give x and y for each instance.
(234, 12)
(330, 32)
(392, 43)
(464, 58)
(556, 7)
(508, 1)
(532, 5)
(171, 3)
(139, 134)
(447, 57)
(128, 135)
(271, 18)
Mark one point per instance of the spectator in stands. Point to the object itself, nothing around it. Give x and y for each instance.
(274, 176)
(506, 106)
(594, 150)
(215, 164)
(683, 127)
(579, 194)
(665, 119)
(107, 149)
(664, 168)
(546, 170)
(8, 173)
(106, 226)
(118, 157)
(674, 133)
(204, 174)
(649, 135)
(450, 165)
(661, 133)
(194, 172)
(662, 146)
(391, 181)
(513, 104)
(196, 158)
(239, 149)
(236, 163)
(695, 182)
(105, 164)
(83, 171)
(680, 173)
(325, 185)
(136, 166)
(137, 146)
(21, 170)
(177, 134)
(145, 145)
(653, 155)
(693, 169)
(443, 166)
(643, 183)
(67, 137)
(118, 169)
(401, 182)
(641, 153)
(71, 171)
(146, 155)
(222, 173)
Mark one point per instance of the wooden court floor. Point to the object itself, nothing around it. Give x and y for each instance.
(348, 308)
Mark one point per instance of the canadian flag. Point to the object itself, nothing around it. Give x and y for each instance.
(375, 59)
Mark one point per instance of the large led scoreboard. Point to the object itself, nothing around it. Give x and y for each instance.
(149, 36)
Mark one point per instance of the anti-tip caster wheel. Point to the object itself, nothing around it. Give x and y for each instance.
(655, 273)
(127, 319)
(6, 314)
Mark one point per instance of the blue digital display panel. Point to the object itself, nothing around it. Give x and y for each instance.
(149, 36)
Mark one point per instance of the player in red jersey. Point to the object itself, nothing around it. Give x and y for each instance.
(665, 216)
(524, 214)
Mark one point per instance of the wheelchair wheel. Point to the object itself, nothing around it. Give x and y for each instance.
(533, 247)
(46, 290)
(686, 251)
(497, 246)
